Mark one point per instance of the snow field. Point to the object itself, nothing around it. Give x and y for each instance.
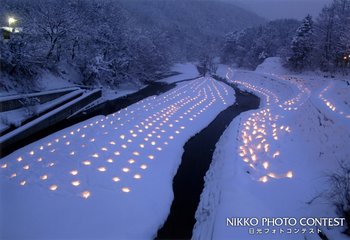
(186, 70)
(107, 177)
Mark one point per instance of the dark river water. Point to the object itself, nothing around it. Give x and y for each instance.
(188, 183)
(104, 108)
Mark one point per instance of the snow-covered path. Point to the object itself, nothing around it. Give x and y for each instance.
(107, 177)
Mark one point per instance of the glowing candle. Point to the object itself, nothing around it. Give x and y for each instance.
(126, 190)
(116, 179)
(143, 166)
(74, 172)
(102, 169)
(110, 160)
(276, 154)
(137, 176)
(86, 163)
(289, 174)
(131, 161)
(44, 177)
(75, 183)
(266, 165)
(263, 179)
(85, 194)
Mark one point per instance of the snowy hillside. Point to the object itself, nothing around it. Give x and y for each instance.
(274, 162)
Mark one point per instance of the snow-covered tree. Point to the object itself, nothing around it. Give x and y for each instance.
(249, 47)
(109, 42)
(302, 45)
(332, 32)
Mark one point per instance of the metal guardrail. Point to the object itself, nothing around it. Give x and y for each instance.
(20, 134)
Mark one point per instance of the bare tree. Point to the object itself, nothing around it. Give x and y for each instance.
(339, 192)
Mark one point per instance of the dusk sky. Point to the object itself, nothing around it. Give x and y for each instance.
(274, 9)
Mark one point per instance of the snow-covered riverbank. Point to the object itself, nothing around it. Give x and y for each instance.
(273, 162)
(107, 177)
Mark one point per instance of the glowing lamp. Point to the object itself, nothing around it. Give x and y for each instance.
(85, 194)
(76, 183)
(11, 20)
(102, 169)
(289, 174)
(263, 179)
(44, 177)
(86, 163)
(143, 166)
(266, 165)
(53, 187)
(137, 176)
(131, 161)
(126, 190)
(116, 179)
(74, 172)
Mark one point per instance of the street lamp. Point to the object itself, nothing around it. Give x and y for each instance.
(11, 20)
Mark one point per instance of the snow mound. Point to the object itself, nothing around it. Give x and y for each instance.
(272, 65)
